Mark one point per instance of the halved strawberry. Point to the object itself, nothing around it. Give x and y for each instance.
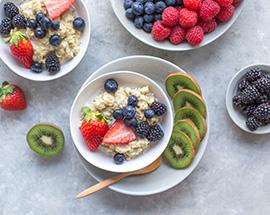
(119, 133)
(56, 8)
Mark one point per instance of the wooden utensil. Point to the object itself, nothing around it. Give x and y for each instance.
(103, 184)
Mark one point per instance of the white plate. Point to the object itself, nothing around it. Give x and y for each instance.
(119, 11)
(165, 177)
(15, 66)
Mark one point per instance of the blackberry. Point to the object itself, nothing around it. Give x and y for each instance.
(237, 101)
(19, 21)
(243, 85)
(142, 129)
(5, 26)
(263, 85)
(52, 63)
(262, 99)
(267, 76)
(250, 95)
(249, 110)
(158, 108)
(252, 123)
(155, 133)
(253, 74)
(262, 112)
(265, 122)
(10, 9)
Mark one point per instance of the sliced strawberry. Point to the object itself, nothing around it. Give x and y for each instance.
(56, 8)
(119, 133)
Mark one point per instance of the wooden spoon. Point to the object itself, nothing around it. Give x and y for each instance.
(103, 184)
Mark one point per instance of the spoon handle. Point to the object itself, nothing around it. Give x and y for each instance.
(101, 185)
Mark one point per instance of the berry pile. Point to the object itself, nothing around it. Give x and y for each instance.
(179, 20)
(253, 98)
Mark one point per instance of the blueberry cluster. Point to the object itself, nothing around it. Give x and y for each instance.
(253, 98)
(144, 13)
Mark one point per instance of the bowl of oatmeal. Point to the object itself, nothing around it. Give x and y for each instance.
(130, 136)
(57, 37)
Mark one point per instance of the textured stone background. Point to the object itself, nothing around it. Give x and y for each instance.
(232, 178)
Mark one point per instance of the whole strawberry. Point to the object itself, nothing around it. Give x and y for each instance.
(12, 97)
(21, 48)
(93, 128)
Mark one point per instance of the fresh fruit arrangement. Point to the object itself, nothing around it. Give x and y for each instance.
(189, 122)
(122, 121)
(179, 20)
(42, 34)
(253, 98)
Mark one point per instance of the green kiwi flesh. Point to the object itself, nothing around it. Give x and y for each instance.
(46, 139)
(179, 152)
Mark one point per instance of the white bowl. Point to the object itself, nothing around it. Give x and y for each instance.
(99, 158)
(238, 118)
(119, 11)
(15, 66)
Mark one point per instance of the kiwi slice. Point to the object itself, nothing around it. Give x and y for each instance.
(179, 152)
(190, 129)
(46, 139)
(189, 98)
(194, 116)
(180, 80)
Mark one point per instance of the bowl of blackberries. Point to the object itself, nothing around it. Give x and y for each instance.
(248, 99)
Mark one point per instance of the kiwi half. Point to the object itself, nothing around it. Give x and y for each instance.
(46, 139)
(180, 80)
(190, 129)
(194, 116)
(189, 98)
(179, 152)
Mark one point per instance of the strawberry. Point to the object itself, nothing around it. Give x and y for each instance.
(12, 97)
(21, 48)
(119, 133)
(93, 128)
(56, 8)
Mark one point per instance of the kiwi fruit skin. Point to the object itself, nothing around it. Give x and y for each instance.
(189, 98)
(182, 144)
(190, 129)
(180, 80)
(194, 116)
(46, 132)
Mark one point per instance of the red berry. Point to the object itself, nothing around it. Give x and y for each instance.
(226, 13)
(224, 3)
(208, 26)
(209, 10)
(192, 4)
(160, 32)
(178, 8)
(195, 35)
(170, 16)
(178, 35)
(236, 2)
(187, 18)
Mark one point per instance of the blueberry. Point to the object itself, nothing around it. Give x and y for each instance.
(31, 23)
(79, 23)
(118, 114)
(40, 16)
(55, 40)
(37, 67)
(132, 100)
(149, 8)
(129, 112)
(131, 122)
(128, 4)
(160, 6)
(129, 14)
(55, 25)
(170, 2)
(138, 22)
(148, 18)
(119, 158)
(148, 113)
(111, 85)
(158, 17)
(140, 1)
(147, 27)
(45, 23)
(137, 8)
(39, 33)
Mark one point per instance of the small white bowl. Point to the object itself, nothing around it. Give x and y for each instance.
(86, 96)
(238, 118)
(119, 11)
(15, 66)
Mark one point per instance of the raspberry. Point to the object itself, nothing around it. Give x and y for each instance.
(160, 32)
(224, 3)
(187, 18)
(195, 35)
(208, 26)
(209, 10)
(192, 4)
(178, 35)
(179, 8)
(170, 17)
(226, 13)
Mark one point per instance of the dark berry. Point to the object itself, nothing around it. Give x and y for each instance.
(52, 63)
(160, 6)
(128, 4)
(79, 23)
(39, 33)
(249, 110)
(118, 114)
(5, 26)
(243, 85)
(237, 101)
(111, 85)
(10, 10)
(37, 67)
(129, 112)
(131, 122)
(155, 133)
(19, 21)
(55, 40)
(55, 25)
(250, 95)
(263, 85)
(31, 23)
(149, 113)
(262, 112)
(252, 123)
(138, 22)
(159, 108)
(147, 27)
(149, 7)
(129, 14)
(148, 18)
(253, 74)
(262, 99)
(158, 17)
(132, 100)
(45, 23)
(170, 2)
(142, 129)
(119, 158)
(137, 8)
(39, 17)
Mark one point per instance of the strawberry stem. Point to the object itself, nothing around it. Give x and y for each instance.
(16, 36)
